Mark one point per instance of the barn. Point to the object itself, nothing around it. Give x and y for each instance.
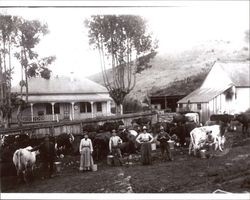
(226, 89)
(64, 98)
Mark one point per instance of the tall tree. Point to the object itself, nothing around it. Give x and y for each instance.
(7, 41)
(22, 35)
(120, 40)
(28, 36)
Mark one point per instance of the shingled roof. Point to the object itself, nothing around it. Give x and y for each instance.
(62, 85)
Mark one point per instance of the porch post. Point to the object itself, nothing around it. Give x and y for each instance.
(32, 113)
(108, 108)
(53, 111)
(73, 111)
(92, 109)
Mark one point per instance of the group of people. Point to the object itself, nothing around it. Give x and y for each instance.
(144, 139)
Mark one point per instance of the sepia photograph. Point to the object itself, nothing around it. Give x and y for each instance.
(124, 100)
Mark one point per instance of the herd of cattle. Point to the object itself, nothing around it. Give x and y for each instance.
(184, 128)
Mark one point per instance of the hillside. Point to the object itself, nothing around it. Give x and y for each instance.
(168, 68)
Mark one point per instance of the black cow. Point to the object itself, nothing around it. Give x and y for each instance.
(63, 143)
(129, 145)
(244, 119)
(225, 118)
(11, 143)
(182, 131)
(101, 145)
(109, 126)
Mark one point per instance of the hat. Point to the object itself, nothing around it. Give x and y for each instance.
(144, 128)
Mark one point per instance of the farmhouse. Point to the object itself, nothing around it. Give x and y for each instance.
(64, 98)
(226, 89)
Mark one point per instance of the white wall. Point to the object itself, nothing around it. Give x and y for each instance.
(242, 99)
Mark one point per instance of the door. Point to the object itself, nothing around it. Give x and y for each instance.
(66, 111)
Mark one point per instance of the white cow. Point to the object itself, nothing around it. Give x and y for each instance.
(24, 160)
(198, 138)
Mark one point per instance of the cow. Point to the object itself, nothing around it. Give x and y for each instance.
(129, 145)
(198, 138)
(244, 119)
(100, 145)
(24, 161)
(182, 131)
(63, 143)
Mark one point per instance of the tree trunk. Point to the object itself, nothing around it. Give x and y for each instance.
(119, 109)
(19, 116)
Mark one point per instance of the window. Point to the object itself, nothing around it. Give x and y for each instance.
(57, 108)
(85, 107)
(180, 105)
(48, 109)
(199, 106)
(99, 107)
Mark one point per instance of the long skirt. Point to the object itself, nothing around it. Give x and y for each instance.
(146, 153)
(86, 160)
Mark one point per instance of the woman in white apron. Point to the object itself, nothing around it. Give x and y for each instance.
(86, 149)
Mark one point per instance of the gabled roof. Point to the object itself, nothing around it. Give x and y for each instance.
(238, 72)
(235, 74)
(62, 85)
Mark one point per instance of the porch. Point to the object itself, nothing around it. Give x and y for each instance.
(60, 111)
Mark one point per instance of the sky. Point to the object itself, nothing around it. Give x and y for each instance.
(177, 26)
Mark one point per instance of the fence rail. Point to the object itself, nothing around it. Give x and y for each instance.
(55, 128)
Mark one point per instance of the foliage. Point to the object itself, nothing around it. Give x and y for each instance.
(183, 86)
(120, 40)
(20, 36)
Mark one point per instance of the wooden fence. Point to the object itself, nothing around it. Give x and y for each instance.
(75, 127)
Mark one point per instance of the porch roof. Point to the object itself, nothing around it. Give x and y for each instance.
(68, 98)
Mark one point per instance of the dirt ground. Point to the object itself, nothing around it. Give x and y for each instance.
(228, 170)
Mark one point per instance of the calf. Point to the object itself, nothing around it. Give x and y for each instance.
(24, 161)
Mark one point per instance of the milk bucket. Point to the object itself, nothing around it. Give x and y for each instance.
(171, 144)
(110, 159)
(203, 153)
(153, 146)
(94, 167)
(58, 166)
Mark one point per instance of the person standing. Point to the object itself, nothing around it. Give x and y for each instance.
(86, 149)
(163, 138)
(48, 154)
(114, 146)
(145, 140)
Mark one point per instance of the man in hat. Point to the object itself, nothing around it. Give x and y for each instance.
(145, 140)
(114, 146)
(163, 138)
